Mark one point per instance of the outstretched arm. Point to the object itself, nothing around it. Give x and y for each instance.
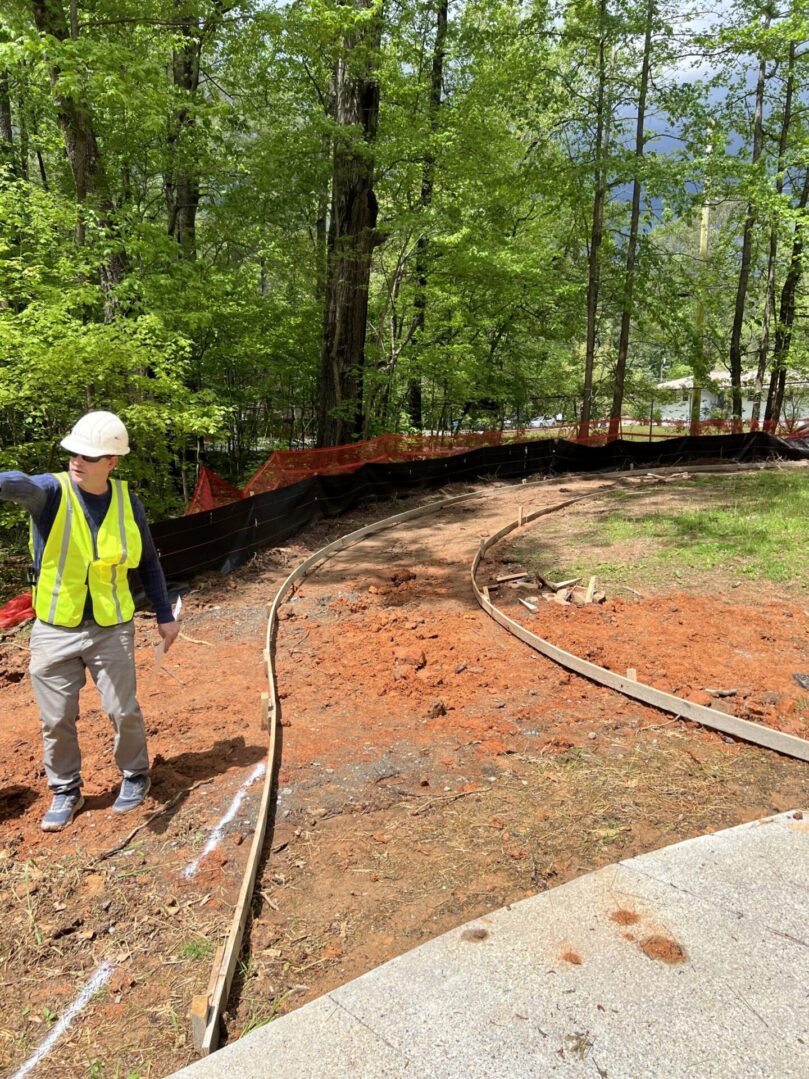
(31, 492)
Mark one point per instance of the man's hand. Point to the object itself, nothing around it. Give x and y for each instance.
(169, 631)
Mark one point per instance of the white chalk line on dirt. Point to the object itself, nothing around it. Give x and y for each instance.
(216, 835)
(98, 981)
(102, 974)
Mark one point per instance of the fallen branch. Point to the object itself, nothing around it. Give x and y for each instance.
(176, 677)
(656, 726)
(449, 798)
(152, 816)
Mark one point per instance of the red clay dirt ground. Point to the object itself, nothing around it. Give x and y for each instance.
(432, 769)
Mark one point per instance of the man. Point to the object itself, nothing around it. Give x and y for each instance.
(87, 532)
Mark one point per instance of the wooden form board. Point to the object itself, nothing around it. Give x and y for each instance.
(788, 744)
(206, 1010)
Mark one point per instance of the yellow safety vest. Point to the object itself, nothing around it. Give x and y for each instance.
(74, 561)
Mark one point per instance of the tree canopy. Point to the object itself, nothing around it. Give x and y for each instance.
(249, 225)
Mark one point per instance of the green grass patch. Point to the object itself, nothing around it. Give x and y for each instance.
(758, 524)
(753, 526)
(260, 1017)
(196, 949)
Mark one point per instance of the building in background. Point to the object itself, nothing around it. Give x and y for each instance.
(716, 398)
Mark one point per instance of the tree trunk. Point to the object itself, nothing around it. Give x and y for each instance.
(769, 298)
(414, 401)
(629, 280)
(735, 355)
(764, 341)
(352, 236)
(8, 162)
(182, 180)
(786, 319)
(698, 366)
(7, 153)
(597, 227)
(322, 222)
(76, 123)
(73, 112)
(22, 128)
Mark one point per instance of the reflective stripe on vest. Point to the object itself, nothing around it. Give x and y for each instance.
(73, 561)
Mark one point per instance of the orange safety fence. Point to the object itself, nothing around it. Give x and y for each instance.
(17, 610)
(285, 467)
(288, 466)
(212, 491)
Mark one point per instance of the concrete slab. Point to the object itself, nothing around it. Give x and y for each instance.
(766, 866)
(316, 1034)
(689, 962)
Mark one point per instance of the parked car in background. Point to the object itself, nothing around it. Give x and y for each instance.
(544, 421)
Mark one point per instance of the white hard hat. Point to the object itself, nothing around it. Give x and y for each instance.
(97, 434)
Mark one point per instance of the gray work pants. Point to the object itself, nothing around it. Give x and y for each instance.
(60, 658)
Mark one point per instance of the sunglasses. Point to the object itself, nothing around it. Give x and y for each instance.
(89, 460)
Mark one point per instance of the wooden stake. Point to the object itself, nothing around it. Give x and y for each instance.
(264, 711)
(201, 1003)
(199, 1018)
(591, 588)
(519, 516)
(560, 585)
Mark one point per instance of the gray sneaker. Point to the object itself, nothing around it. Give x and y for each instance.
(133, 790)
(64, 808)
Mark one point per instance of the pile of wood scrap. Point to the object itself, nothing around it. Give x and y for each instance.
(651, 477)
(539, 587)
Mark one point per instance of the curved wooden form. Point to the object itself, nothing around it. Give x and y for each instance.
(206, 1009)
(788, 744)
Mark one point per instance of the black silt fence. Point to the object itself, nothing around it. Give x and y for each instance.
(224, 538)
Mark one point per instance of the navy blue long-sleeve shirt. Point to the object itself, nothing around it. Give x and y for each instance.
(40, 496)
